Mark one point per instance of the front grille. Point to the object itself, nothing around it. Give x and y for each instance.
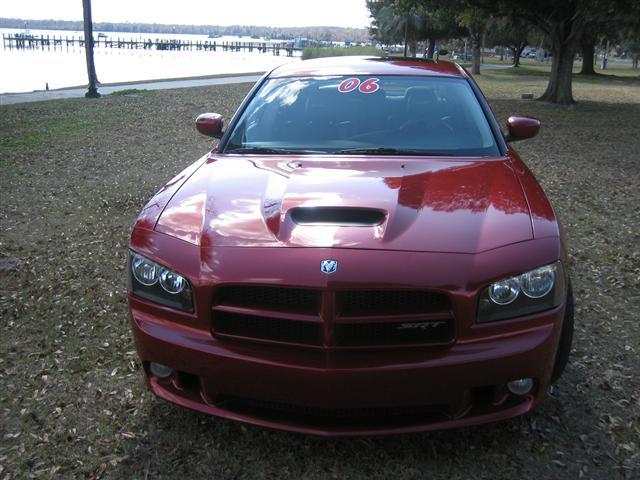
(384, 302)
(254, 326)
(293, 315)
(396, 333)
(269, 298)
(341, 417)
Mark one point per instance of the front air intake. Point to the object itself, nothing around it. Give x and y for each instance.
(340, 216)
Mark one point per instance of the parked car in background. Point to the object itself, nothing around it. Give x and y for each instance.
(461, 56)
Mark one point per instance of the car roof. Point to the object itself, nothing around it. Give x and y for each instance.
(347, 65)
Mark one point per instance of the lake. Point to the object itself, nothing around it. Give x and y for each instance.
(25, 70)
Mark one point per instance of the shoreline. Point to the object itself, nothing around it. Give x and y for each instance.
(7, 99)
(138, 82)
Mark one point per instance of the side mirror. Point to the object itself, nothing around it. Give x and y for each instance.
(210, 124)
(443, 52)
(520, 128)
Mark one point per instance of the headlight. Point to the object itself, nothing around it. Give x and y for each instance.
(171, 281)
(537, 283)
(504, 292)
(152, 281)
(534, 291)
(144, 271)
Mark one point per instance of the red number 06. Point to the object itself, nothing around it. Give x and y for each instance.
(349, 85)
(370, 85)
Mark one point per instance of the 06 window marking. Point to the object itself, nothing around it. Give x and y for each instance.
(370, 85)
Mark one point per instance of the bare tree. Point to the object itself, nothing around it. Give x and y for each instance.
(92, 91)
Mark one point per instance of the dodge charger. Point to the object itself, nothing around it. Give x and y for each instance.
(362, 253)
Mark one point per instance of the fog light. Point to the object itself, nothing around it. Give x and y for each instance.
(159, 370)
(521, 386)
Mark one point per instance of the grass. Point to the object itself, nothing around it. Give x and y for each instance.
(510, 83)
(316, 52)
(72, 400)
(52, 122)
(132, 91)
(531, 66)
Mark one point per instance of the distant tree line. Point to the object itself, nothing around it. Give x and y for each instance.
(325, 34)
(564, 27)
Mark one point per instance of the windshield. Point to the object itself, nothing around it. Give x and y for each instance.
(385, 115)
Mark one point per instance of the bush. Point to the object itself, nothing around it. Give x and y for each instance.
(316, 52)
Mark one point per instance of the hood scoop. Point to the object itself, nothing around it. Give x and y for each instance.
(338, 216)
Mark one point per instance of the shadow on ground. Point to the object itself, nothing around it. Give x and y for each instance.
(181, 443)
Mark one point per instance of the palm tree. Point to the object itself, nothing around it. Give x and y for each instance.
(92, 91)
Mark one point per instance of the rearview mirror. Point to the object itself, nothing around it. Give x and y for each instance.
(520, 128)
(210, 124)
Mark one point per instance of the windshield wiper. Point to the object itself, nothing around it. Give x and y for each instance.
(386, 151)
(270, 151)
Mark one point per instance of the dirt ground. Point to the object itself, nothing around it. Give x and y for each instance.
(74, 175)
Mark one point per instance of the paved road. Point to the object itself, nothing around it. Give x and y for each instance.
(11, 98)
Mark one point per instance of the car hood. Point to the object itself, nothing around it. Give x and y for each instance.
(392, 203)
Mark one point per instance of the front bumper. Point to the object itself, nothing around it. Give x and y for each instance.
(344, 392)
(330, 393)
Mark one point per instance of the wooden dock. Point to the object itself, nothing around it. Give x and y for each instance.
(47, 42)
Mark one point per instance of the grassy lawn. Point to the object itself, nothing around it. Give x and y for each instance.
(74, 175)
(531, 65)
(510, 83)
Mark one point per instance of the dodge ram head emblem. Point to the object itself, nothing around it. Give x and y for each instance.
(328, 266)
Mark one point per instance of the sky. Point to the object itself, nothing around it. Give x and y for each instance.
(276, 13)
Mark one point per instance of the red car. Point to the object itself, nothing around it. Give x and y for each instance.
(363, 253)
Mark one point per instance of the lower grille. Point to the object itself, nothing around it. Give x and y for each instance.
(342, 417)
(432, 331)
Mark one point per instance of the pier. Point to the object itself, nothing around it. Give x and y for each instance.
(48, 42)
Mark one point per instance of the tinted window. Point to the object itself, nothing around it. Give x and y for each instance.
(428, 115)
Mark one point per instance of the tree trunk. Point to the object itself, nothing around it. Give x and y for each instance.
(587, 46)
(605, 56)
(476, 36)
(92, 91)
(413, 47)
(517, 53)
(406, 36)
(432, 47)
(634, 65)
(559, 86)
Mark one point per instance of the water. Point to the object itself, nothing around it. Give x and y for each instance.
(27, 70)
